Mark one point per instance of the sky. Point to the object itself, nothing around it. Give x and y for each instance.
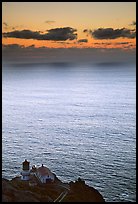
(96, 25)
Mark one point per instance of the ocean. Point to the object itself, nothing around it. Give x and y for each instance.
(78, 120)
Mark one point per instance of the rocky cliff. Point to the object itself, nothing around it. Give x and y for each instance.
(16, 190)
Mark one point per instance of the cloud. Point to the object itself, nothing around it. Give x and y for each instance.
(110, 33)
(103, 43)
(63, 42)
(82, 41)
(133, 23)
(85, 30)
(20, 54)
(24, 34)
(31, 46)
(8, 27)
(12, 46)
(129, 46)
(13, 28)
(61, 34)
(56, 34)
(5, 24)
(50, 22)
(122, 43)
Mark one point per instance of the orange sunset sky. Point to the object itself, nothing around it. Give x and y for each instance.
(69, 24)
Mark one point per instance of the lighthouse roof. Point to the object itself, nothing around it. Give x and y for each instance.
(44, 171)
(26, 162)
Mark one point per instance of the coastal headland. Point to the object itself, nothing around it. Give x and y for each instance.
(17, 190)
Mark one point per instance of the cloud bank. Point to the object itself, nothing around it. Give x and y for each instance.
(82, 41)
(20, 54)
(56, 34)
(110, 33)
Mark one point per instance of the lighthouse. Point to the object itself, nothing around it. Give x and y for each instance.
(25, 170)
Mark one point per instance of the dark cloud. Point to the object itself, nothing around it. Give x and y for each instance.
(129, 46)
(122, 43)
(110, 33)
(61, 34)
(103, 43)
(85, 30)
(24, 34)
(12, 46)
(50, 22)
(56, 34)
(97, 43)
(117, 43)
(31, 46)
(133, 23)
(5, 24)
(63, 42)
(13, 28)
(82, 41)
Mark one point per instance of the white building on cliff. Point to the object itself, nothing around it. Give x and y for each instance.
(44, 174)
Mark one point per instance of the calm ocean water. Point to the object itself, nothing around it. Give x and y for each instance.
(80, 121)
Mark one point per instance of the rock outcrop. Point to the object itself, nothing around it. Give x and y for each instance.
(80, 192)
(16, 190)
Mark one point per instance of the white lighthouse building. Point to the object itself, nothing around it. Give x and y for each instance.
(25, 170)
(45, 175)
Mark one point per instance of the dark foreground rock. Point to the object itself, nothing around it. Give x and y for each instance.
(80, 192)
(16, 190)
